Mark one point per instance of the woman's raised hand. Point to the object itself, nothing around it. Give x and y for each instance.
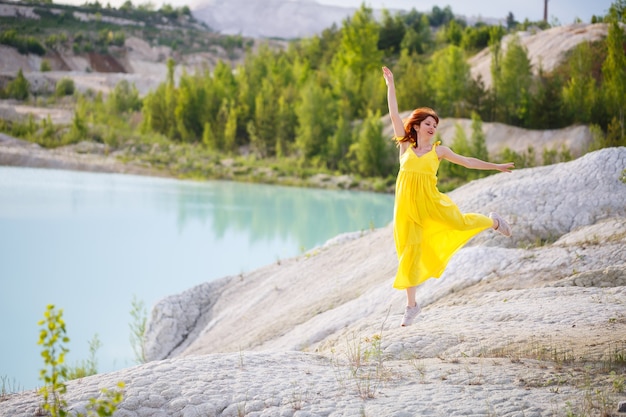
(388, 75)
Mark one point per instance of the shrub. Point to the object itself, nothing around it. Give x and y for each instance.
(45, 66)
(65, 87)
(19, 87)
(53, 338)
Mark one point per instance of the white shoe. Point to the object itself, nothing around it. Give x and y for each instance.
(409, 315)
(503, 226)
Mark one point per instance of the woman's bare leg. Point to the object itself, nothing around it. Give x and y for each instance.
(412, 309)
(410, 296)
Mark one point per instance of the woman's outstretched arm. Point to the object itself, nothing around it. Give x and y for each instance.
(392, 102)
(473, 163)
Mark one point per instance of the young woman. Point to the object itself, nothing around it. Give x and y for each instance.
(428, 227)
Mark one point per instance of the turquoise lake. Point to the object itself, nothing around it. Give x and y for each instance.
(89, 243)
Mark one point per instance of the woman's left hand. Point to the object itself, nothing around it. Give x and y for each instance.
(507, 167)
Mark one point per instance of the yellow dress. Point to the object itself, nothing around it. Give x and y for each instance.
(428, 227)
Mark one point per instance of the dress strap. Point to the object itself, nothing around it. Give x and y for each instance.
(437, 143)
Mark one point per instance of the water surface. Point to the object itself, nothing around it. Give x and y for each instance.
(89, 243)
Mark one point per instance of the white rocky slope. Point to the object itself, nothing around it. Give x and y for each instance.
(498, 136)
(546, 49)
(303, 302)
(520, 326)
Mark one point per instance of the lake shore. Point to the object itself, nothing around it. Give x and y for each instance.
(93, 157)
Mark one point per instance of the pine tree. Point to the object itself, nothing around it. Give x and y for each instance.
(356, 57)
(19, 87)
(370, 149)
(450, 80)
(316, 120)
(614, 74)
(579, 93)
(513, 83)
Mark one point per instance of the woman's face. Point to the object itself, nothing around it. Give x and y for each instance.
(426, 129)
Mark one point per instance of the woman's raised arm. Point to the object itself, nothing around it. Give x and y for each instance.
(392, 102)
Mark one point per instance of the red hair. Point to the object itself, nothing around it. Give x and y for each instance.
(416, 118)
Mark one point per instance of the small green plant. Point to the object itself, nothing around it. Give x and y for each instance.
(617, 382)
(87, 367)
(106, 406)
(139, 317)
(365, 363)
(53, 338)
(7, 388)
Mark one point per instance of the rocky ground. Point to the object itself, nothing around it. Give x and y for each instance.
(533, 325)
(84, 156)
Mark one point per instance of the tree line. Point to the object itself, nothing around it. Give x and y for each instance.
(322, 98)
(319, 101)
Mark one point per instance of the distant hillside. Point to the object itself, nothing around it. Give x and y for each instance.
(84, 41)
(546, 48)
(284, 19)
(270, 18)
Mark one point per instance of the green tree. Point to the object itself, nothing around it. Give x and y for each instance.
(462, 146)
(19, 87)
(124, 98)
(475, 38)
(392, 32)
(370, 149)
(190, 105)
(614, 74)
(230, 129)
(262, 128)
(356, 57)
(160, 105)
(439, 16)
(209, 138)
(580, 91)
(454, 33)
(339, 143)
(495, 46)
(155, 111)
(171, 97)
(316, 120)
(286, 124)
(221, 86)
(510, 21)
(418, 36)
(411, 81)
(478, 145)
(513, 83)
(449, 73)
(547, 107)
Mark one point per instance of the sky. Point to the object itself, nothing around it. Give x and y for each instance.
(559, 11)
(565, 11)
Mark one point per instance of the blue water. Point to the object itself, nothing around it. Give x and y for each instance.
(89, 243)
